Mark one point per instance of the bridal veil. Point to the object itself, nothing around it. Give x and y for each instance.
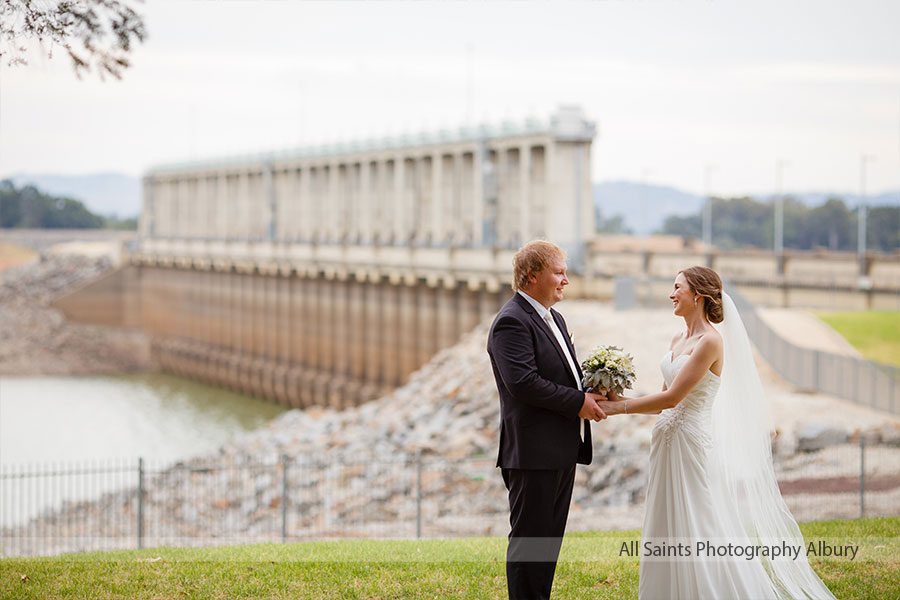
(741, 470)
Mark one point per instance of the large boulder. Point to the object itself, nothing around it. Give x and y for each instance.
(817, 436)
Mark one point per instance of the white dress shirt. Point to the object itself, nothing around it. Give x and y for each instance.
(547, 316)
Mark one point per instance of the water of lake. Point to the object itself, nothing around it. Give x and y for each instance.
(51, 419)
(59, 436)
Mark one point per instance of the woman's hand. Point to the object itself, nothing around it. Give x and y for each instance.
(612, 406)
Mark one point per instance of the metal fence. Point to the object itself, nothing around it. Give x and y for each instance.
(862, 381)
(55, 509)
(859, 380)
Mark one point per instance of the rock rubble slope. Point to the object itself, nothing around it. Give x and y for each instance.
(36, 339)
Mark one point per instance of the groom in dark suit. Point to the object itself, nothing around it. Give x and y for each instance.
(542, 413)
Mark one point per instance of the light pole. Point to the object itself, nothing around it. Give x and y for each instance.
(645, 230)
(707, 208)
(780, 164)
(861, 216)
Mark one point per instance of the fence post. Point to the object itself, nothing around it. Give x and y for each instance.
(862, 475)
(895, 373)
(140, 506)
(284, 487)
(817, 370)
(419, 493)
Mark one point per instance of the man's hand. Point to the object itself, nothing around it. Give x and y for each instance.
(590, 409)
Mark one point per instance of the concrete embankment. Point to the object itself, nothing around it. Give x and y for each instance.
(36, 339)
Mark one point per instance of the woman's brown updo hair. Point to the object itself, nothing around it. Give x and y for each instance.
(706, 283)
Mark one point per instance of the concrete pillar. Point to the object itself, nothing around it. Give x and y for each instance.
(447, 199)
(487, 303)
(447, 319)
(378, 211)
(283, 185)
(197, 202)
(180, 323)
(390, 202)
(243, 314)
(356, 319)
(335, 203)
(408, 329)
(365, 222)
(306, 217)
(390, 329)
(203, 284)
(525, 194)
(230, 297)
(256, 298)
(438, 222)
(340, 317)
(539, 200)
(410, 209)
(216, 312)
(147, 219)
(372, 357)
(283, 322)
(426, 332)
(297, 327)
(309, 323)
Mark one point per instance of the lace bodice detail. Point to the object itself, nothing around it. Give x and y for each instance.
(692, 415)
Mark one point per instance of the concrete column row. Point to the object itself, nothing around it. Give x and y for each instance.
(301, 340)
(427, 196)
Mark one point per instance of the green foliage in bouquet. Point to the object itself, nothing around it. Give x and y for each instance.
(608, 368)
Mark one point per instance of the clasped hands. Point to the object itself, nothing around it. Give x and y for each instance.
(597, 407)
(591, 409)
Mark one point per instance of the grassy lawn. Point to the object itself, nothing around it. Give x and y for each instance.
(876, 334)
(590, 567)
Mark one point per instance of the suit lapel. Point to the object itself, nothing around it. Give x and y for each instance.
(543, 326)
(569, 345)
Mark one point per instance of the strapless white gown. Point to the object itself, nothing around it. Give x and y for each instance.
(682, 506)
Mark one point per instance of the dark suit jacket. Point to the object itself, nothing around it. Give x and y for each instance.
(539, 397)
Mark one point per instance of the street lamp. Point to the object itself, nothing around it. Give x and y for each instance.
(645, 229)
(862, 214)
(780, 164)
(707, 208)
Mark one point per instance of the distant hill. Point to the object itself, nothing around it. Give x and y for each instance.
(107, 194)
(120, 195)
(645, 207)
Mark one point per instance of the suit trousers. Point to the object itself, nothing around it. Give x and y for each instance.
(538, 508)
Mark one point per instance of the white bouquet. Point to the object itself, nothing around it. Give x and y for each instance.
(608, 368)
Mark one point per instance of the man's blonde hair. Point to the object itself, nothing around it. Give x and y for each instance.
(533, 257)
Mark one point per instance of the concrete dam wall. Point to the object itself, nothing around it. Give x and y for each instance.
(297, 339)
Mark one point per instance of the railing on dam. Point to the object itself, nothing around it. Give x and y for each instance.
(76, 507)
(862, 381)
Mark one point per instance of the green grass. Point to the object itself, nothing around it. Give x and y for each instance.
(876, 334)
(589, 567)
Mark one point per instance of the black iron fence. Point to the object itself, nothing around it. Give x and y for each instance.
(60, 508)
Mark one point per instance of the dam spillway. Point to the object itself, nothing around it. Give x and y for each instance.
(326, 275)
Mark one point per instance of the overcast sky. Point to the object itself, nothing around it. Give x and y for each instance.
(674, 86)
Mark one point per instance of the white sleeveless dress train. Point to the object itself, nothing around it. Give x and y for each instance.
(682, 507)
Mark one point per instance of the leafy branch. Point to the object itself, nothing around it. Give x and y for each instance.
(95, 34)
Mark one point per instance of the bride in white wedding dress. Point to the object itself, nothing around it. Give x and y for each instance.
(712, 497)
